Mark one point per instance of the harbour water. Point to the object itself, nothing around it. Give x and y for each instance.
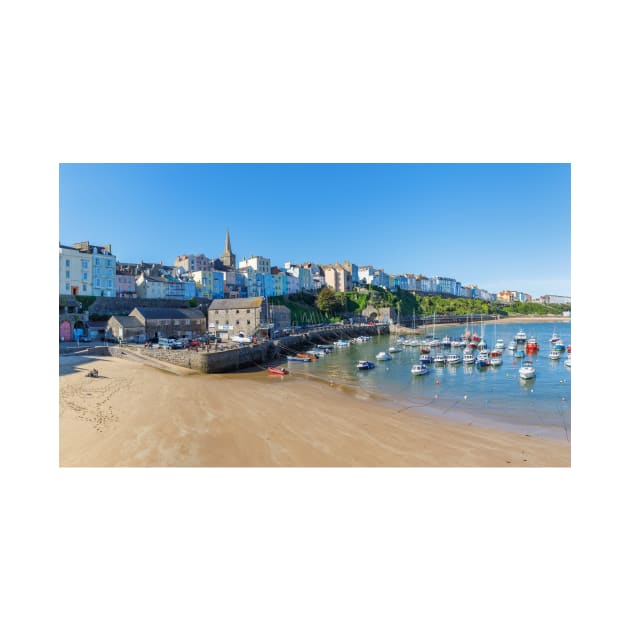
(489, 396)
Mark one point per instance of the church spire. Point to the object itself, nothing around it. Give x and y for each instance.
(227, 257)
(228, 246)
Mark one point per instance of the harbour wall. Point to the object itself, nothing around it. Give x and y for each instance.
(232, 359)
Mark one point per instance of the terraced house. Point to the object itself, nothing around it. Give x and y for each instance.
(86, 269)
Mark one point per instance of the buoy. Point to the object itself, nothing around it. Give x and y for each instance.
(437, 382)
(465, 397)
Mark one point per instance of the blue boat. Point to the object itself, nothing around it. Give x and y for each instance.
(300, 359)
(365, 365)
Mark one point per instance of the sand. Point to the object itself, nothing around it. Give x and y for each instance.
(137, 414)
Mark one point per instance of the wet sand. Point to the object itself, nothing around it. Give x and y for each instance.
(137, 414)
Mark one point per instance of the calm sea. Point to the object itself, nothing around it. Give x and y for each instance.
(491, 396)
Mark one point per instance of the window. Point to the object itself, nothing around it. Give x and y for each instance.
(109, 284)
(84, 288)
(96, 261)
(97, 282)
(248, 322)
(67, 275)
(84, 275)
(67, 263)
(238, 323)
(67, 286)
(84, 264)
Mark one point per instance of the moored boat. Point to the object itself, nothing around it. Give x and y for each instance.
(419, 369)
(554, 355)
(384, 356)
(394, 349)
(468, 357)
(567, 363)
(365, 365)
(306, 355)
(520, 336)
(531, 345)
(299, 359)
(453, 358)
(496, 360)
(559, 345)
(527, 370)
(482, 360)
(278, 370)
(342, 343)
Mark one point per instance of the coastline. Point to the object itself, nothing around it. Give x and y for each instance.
(141, 415)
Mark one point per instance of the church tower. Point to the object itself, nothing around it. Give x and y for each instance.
(227, 257)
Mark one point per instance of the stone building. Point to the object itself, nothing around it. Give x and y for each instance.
(72, 319)
(234, 316)
(170, 322)
(127, 328)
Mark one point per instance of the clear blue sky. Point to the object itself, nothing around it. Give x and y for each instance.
(500, 226)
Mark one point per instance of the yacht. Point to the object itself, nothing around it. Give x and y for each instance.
(419, 369)
(453, 358)
(482, 359)
(384, 356)
(500, 344)
(394, 349)
(520, 336)
(554, 355)
(365, 365)
(439, 358)
(527, 370)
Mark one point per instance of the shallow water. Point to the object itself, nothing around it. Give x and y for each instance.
(491, 396)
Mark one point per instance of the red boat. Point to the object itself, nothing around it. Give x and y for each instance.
(304, 355)
(569, 349)
(532, 345)
(278, 370)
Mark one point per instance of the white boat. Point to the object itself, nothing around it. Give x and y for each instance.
(419, 369)
(342, 343)
(554, 355)
(554, 337)
(520, 336)
(512, 346)
(500, 344)
(394, 349)
(496, 360)
(468, 357)
(365, 365)
(384, 356)
(453, 358)
(439, 358)
(241, 339)
(483, 359)
(567, 363)
(527, 370)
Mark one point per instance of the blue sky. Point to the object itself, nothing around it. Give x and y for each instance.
(500, 226)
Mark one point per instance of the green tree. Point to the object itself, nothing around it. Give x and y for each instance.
(327, 300)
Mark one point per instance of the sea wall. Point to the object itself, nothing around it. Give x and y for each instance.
(229, 360)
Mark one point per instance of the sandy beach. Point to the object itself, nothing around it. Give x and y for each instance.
(136, 414)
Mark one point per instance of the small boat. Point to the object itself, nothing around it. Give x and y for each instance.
(554, 355)
(496, 352)
(500, 344)
(569, 348)
(496, 360)
(560, 346)
(446, 341)
(453, 358)
(299, 359)
(519, 354)
(325, 346)
(567, 363)
(384, 356)
(425, 349)
(278, 370)
(439, 358)
(394, 349)
(317, 352)
(482, 345)
(468, 357)
(554, 337)
(527, 370)
(342, 343)
(482, 360)
(427, 359)
(531, 345)
(512, 346)
(306, 355)
(365, 365)
(520, 336)
(362, 339)
(419, 368)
